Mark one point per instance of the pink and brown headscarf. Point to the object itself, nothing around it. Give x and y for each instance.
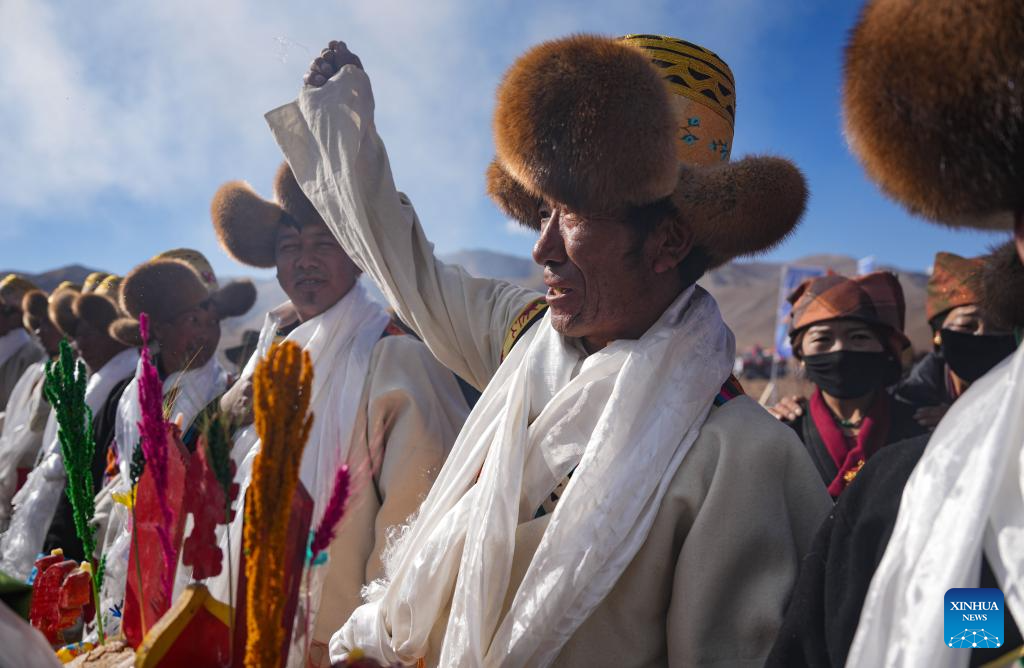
(955, 281)
(876, 299)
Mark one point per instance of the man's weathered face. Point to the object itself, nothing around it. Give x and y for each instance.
(313, 269)
(602, 284)
(189, 340)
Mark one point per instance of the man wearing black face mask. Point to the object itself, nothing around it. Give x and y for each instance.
(848, 335)
(968, 341)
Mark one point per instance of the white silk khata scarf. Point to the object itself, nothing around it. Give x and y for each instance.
(624, 423)
(340, 343)
(11, 342)
(36, 502)
(965, 496)
(19, 440)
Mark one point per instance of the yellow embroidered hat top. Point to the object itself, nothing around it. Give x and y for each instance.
(197, 261)
(13, 287)
(92, 280)
(703, 96)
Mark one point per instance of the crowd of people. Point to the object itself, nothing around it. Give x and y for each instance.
(576, 478)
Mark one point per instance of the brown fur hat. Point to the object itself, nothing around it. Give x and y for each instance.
(1002, 286)
(934, 106)
(247, 225)
(586, 121)
(164, 288)
(34, 309)
(60, 308)
(98, 310)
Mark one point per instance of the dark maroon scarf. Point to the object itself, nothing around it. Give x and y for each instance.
(849, 452)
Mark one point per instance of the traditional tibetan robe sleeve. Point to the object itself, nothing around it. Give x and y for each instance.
(329, 138)
(412, 411)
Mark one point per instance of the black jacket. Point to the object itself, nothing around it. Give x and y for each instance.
(835, 575)
(925, 385)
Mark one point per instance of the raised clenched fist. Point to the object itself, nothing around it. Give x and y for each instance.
(331, 59)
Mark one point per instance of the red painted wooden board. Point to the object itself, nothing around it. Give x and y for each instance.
(145, 545)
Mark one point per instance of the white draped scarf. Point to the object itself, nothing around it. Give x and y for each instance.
(18, 440)
(964, 496)
(624, 423)
(36, 503)
(340, 342)
(11, 342)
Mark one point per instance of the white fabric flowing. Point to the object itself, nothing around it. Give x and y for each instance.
(964, 496)
(624, 422)
(18, 440)
(11, 342)
(194, 390)
(340, 343)
(36, 502)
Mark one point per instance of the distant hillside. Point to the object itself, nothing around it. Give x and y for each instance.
(747, 292)
(48, 280)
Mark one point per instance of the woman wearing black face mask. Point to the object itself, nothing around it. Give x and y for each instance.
(848, 336)
(968, 342)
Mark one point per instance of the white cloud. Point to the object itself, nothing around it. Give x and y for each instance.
(161, 102)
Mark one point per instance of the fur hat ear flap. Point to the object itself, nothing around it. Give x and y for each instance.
(933, 104)
(741, 208)
(245, 223)
(511, 197)
(235, 298)
(61, 310)
(34, 309)
(587, 122)
(97, 310)
(292, 200)
(126, 330)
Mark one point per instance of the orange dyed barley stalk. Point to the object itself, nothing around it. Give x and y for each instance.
(281, 388)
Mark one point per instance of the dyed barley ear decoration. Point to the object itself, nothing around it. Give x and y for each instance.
(335, 510)
(65, 390)
(153, 439)
(281, 392)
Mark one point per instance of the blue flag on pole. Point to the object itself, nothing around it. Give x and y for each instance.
(792, 277)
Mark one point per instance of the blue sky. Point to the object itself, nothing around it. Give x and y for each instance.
(120, 119)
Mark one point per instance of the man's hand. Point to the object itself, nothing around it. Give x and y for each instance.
(236, 403)
(930, 416)
(331, 59)
(788, 408)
